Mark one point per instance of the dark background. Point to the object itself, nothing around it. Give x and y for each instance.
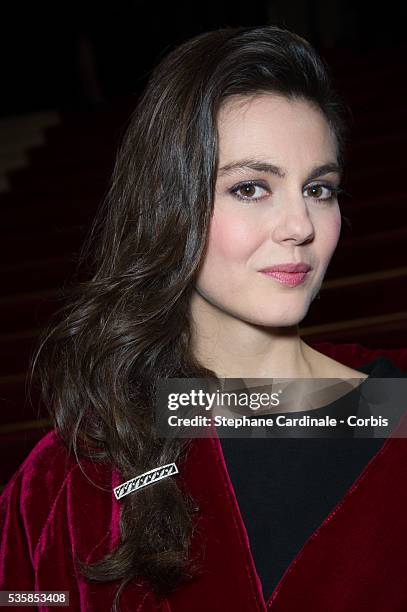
(70, 55)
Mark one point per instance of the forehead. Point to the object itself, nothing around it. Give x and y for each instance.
(271, 124)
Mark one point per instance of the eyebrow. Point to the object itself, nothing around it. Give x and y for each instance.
(264, 166)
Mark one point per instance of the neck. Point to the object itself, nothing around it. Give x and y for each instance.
(234, 348)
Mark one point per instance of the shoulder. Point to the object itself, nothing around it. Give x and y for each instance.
(47, 465)
(37, 481)
(326, 366)
(54, 512)
(44, 470)
(50, 492)
(384, 362)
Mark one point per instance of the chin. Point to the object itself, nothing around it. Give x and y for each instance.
(279, 314)
(267, 319)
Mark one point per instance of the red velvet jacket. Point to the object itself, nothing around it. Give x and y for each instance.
(356, 560)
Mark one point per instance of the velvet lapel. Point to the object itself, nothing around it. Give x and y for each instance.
(336, 563)
(228, 579)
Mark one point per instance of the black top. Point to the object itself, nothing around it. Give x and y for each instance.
(286, 487)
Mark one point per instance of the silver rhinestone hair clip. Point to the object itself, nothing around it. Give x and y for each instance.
(136, 483)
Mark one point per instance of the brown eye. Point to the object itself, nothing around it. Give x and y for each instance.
(249, 191)
(315, 190)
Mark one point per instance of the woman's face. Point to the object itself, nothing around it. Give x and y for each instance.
(262, 219)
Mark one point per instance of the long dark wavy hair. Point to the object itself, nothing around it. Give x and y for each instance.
(118, 333)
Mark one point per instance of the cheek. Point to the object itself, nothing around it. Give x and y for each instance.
(332, 232)
(231, 238)
(328, 236)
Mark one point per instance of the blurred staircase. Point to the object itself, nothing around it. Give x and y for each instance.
(49, 194)
(48, 205)
(364, 295)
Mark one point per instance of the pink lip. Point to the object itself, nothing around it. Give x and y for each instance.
(288, 278)
(288, 267)
(291, 274)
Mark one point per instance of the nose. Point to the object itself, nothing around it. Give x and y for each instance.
(292, 222)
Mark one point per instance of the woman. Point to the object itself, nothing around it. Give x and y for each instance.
(231, 164)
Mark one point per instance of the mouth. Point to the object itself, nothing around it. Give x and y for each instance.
(292, 279)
